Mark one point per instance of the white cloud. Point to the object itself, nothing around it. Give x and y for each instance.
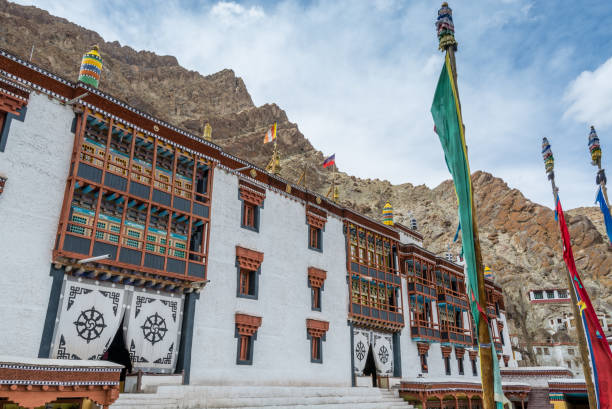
(234, 13)
(589, 96)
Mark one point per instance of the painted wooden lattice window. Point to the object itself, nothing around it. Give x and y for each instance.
(141, 201)
(374, 285)
(246, 333)
(316, 331)
(316, 278)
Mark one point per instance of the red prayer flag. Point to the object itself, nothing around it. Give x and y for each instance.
(601, 356)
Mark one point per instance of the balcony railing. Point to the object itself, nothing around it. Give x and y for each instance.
(456, 335)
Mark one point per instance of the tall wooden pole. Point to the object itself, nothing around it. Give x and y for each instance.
(584, 352)
(601, 174)
(487, 349)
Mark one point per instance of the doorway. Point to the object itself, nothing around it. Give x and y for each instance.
(118, 353)
(370, 366)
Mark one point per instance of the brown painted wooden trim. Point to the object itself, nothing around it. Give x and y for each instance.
(316, 328)
(247, 324)
(249, 259)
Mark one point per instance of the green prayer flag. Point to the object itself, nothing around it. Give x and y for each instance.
(448, 125)
(447, 117)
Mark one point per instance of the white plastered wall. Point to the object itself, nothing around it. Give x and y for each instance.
(36, 161)
(507, 345)
(281, 350)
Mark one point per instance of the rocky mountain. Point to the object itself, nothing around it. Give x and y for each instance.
(520, 239)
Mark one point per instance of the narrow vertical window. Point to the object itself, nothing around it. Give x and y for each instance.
(248, 264)
(245, 289)
(246, 334)
(474, 367)
(315, 332)
(248, 215)
(245, 341)
(252, 198)
(315, 343)
(447, 367)
(460, 364)
(315, 219)
(316, 278)
(315, 238)
(316, 296)
(424, 362)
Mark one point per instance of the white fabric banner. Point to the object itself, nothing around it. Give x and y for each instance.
(383, 353)
(152, 330)
(361, 346)
(87, 320)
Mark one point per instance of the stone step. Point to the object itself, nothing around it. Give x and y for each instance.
(323, 406)
(261, 392)
(250, 397)
(298, 400)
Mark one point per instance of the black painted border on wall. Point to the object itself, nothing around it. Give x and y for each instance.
(54, 297)
(183, 361)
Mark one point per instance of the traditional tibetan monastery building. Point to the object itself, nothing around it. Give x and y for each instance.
(125, 238)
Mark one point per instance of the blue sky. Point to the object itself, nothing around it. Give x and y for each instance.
(358, 77)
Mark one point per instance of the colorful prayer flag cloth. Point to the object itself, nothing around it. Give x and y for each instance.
(271, 134)
(329, 161)
(606, 213)
(601, 356)
(449, 127)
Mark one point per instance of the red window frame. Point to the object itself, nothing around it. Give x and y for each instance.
(314, 237)
(248, 219)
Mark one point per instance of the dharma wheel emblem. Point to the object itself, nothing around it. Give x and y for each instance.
(360, 351)
(154, 328)
(90, 324)
(383, 354)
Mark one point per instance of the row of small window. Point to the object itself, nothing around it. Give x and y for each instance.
(447, 365)
(250, 220)
(546, 351)
(550, 294)
(114, 238)
(246, 343)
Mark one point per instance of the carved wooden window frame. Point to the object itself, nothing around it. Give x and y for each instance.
(246, 334)
(316, 333)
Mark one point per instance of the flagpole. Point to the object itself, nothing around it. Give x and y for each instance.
(487, 349)
(584, 353)
(596, 161)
